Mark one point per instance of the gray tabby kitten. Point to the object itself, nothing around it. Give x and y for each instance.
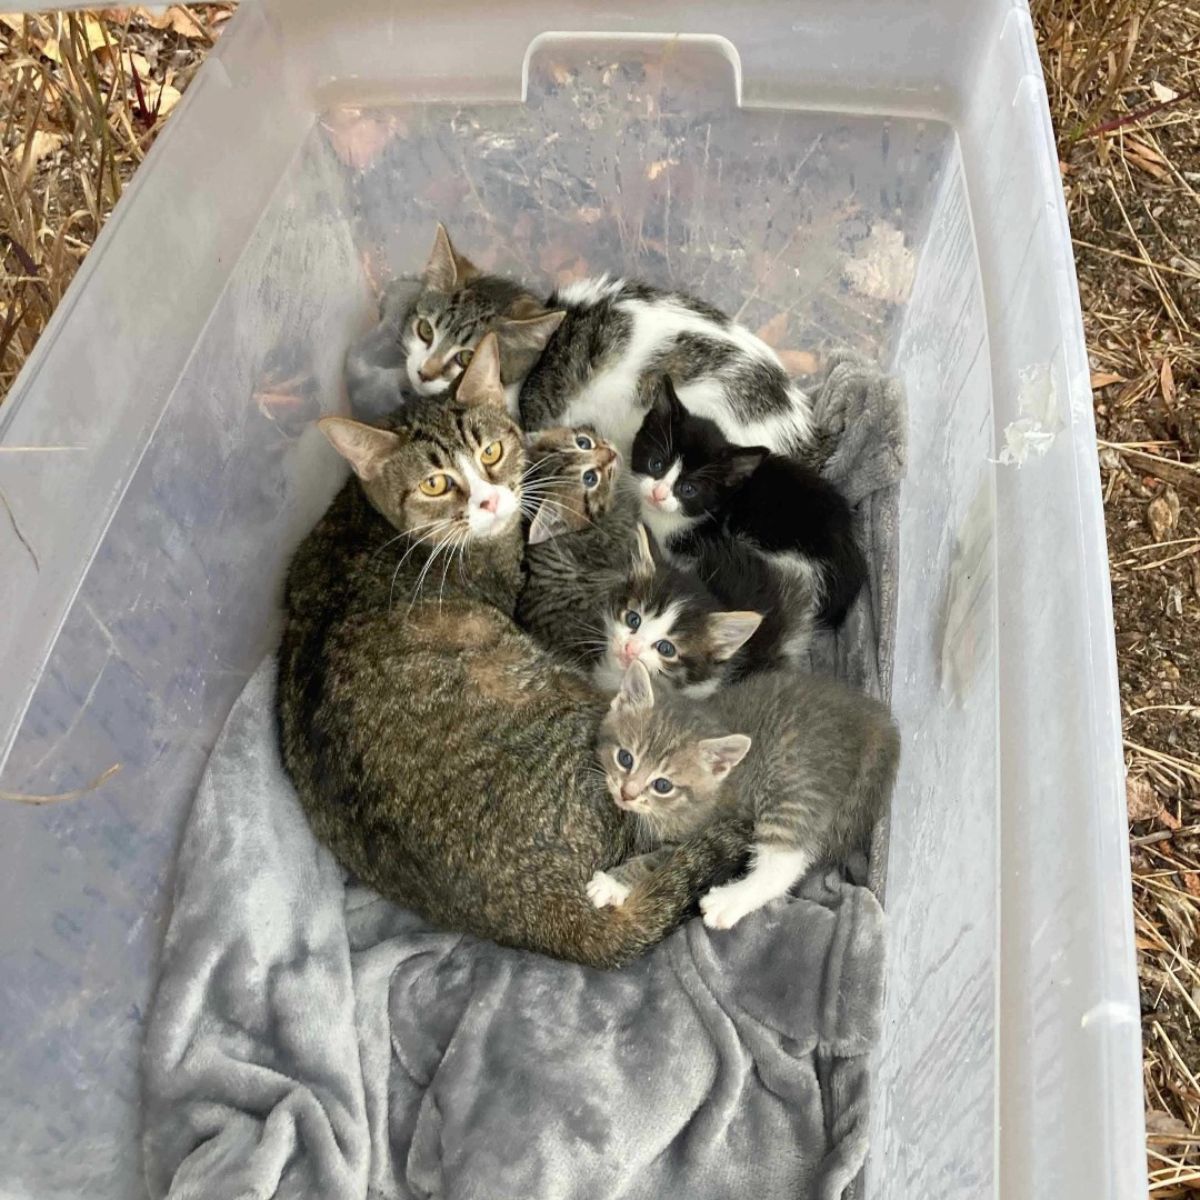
(427, 333)
(818, 761)
(580, 540)
(440, 753)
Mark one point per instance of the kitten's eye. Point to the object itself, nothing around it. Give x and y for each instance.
(665, 648)
(687, 489)
(436, 485)
(425, 331)
(584, 442)
(663, 786)
(463, 358)
(625, 760)
(633, 619)
(590, 479)
(656, 466)
(491, 454)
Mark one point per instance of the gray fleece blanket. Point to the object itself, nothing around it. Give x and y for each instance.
(309, 1039)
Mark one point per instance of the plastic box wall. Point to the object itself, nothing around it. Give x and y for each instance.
(152, 502)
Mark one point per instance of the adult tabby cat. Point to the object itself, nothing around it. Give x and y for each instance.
(441, 755)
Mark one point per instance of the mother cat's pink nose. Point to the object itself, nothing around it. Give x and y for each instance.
(491, 503)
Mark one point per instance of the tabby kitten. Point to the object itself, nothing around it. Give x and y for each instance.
(666, 619)
(729, 613)
(437, 750)
(695, 486)
(456, 307)
(817, 765)
(579, 540)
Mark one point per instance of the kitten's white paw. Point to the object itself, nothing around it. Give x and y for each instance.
(723, 907)
(606, 892)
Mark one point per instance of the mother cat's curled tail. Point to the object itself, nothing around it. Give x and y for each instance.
(442, 755)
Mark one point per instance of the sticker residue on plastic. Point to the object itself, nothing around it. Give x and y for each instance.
(1034, 430)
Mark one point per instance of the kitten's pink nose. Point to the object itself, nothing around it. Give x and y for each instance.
(659, 493)
(627, 796)
(629, 652)
(491, 503)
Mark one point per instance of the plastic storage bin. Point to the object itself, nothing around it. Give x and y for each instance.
(881, 173)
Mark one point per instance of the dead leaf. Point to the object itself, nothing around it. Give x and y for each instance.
(41, 144)
(1162, 514)
(1163, 1127)
(1168, 818)
(1103, 379)
(93, 33)
(774, 330)
(1141, 799)
(1162, 93)
(355, 139)
(1191, 883)
(1166, 379)
(1143, 149)
(799, 362)
(1149, 166)
(176, 18)
(15, 21)
(161, 97)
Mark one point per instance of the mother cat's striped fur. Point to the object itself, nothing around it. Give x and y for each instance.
(442, 755)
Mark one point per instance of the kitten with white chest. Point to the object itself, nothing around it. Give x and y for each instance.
(809, 761)
(667, 619)
(697, 486)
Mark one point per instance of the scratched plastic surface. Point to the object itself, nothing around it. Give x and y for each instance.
(873, 173)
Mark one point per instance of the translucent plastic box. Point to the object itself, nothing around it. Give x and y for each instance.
(855, 171)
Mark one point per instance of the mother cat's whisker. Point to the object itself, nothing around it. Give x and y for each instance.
(423, 540)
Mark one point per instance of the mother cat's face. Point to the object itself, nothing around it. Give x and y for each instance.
(450, 471)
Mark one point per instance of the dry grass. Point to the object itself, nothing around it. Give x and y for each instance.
(1124, 78)
(83, 96)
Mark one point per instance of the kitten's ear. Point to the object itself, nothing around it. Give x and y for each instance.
(551, 520)
(446, 269)
(364, 447)
(742, 461)
(529, 333)
(643, 556)
(730, 631)
(721, 754)
(636, 693)
(480, 382)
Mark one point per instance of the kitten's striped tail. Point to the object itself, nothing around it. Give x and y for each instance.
(659, 902)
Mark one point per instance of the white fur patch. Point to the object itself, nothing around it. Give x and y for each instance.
(480, 521)
(584, 293)
(774, 871)
(605, 892)
(608, 401)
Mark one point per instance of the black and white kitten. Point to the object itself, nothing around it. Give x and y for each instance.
(428, 332)
(696, 486)
(664, 617)
(618, 336)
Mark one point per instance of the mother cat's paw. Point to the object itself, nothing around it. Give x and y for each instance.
(606, 892)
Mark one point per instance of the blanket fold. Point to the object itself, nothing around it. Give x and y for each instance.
(309, 1039)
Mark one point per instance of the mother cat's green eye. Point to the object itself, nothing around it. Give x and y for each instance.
(425, 331)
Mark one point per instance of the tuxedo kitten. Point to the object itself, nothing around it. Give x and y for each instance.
(456, 307)
(618, 336)
(696, 485)
(664, 617)
(580, 534)
(808, 760)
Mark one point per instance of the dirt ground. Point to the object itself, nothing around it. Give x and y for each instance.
(82, 98)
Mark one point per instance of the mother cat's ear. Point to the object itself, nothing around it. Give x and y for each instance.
(446, 269)
(721, 754)
(364, 447)
(551, 519)
(480, 382)
(730, 631)
(523, 336)
(636, 693)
